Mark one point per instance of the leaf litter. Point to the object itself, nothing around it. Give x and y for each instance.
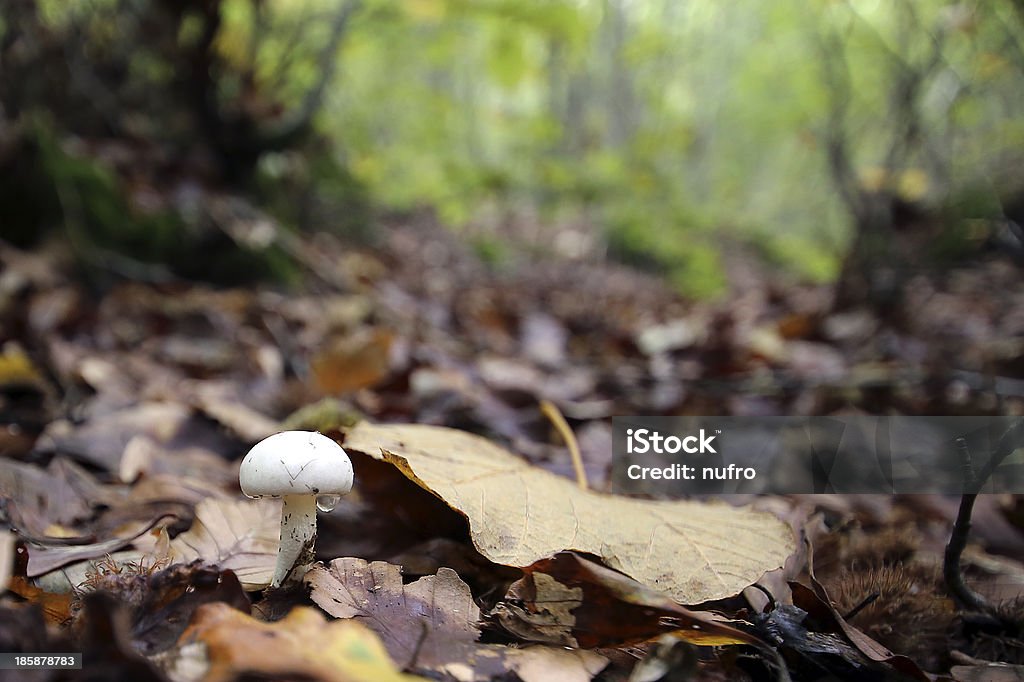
(126, 411)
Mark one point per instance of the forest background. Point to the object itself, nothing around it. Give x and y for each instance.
(661, 133)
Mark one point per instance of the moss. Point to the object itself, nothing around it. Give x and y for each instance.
(56, 190)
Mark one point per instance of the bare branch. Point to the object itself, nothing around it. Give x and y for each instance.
(973, 483)
(836, 76)
(300, 120)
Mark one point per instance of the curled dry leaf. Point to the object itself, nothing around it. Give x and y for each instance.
(816, 602)
(221, 644)
(519, 514)
(431, 625)
(237, 535)
(45, 558)
(572, 601)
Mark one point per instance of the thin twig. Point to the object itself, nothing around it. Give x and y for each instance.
(951, 563)
(558, 421)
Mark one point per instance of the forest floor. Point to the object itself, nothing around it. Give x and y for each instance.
(128, 405)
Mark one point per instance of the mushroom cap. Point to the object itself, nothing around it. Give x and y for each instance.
(295, 463)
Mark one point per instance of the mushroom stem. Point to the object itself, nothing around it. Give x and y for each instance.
(298, 536)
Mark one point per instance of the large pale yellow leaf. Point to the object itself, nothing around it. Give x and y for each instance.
(518, 514)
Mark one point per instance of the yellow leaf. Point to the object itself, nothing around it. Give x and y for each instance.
(228, 642)
(16, 368)
(518, 514)
(913, 184)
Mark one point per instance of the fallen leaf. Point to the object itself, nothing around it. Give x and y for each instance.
(353, 362)
(815, 600)
(102, 439)
(431, 625)
(237, 535)
(56, 606)
(39, 499)
(144, 457)
(572, 601)
(221, 644)
(421, 620)
(519, 514)
(809, 652)
(554, 664)
(222, 401)
(43, 559)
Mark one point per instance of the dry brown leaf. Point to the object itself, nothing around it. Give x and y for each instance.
(421, 620)
(222, 401)
(519, 514)
(144, 457)
(357, 361)
(222, 643)
(60, 495)
(431, 624)
(56, 606)
(239, 535)
(102, 439)
(45, 558)
(554, 664)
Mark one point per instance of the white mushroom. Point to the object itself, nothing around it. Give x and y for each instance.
(299, 467)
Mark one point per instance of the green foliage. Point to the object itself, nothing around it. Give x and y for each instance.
(673, 125)
(654, 113)
(690, 261)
